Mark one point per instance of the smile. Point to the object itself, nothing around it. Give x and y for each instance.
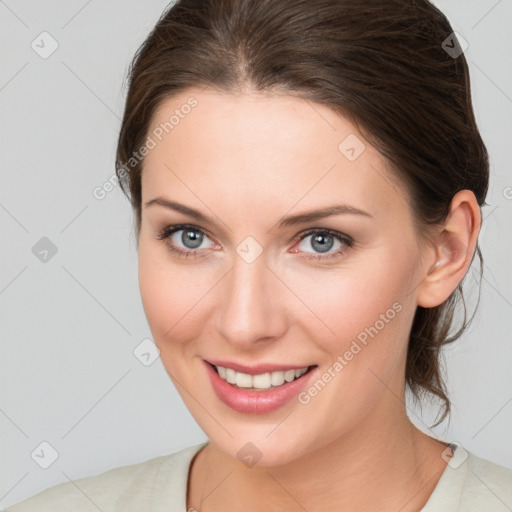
(260, 381)
(257, 389)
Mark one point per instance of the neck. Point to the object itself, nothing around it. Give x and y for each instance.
(387, 455)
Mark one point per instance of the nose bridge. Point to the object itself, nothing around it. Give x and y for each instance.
(249, 310)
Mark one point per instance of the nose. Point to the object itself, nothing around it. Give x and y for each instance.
(251, 308)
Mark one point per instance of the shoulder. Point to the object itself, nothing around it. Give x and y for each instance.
(472, 484)
(488, 486)
(124, 488)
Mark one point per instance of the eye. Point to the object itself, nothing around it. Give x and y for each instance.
(185, 240)
(190, 237)
(323, 240)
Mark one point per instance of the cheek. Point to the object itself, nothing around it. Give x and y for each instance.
(348, 301)
(169, 296)
(364, 315)
(370, 313)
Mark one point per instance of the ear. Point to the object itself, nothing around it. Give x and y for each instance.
(453, 248)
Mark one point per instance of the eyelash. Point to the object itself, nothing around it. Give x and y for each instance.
(344, 239)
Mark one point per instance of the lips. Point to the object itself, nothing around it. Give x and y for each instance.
(246, 399)
(255, 369)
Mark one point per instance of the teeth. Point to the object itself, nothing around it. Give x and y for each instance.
(230, 375)
(289, 375)
(261, 381)
(277, 378)
(243, 380)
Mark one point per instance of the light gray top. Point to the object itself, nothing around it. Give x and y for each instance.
(468, 484)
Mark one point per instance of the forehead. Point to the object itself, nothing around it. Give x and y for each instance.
(276, 124)
(263, 150)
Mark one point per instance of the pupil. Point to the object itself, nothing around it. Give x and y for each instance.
(324, 246)
(194, 239)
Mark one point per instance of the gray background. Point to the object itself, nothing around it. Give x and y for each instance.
(69, 325)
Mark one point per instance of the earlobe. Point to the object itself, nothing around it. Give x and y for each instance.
(453, 250)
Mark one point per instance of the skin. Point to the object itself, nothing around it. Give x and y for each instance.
(247, 160)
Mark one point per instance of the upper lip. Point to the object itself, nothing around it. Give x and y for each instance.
(256, 369)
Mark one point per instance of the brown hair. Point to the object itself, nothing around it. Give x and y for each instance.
(392, 67)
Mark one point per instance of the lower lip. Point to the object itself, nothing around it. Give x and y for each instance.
(256, 402)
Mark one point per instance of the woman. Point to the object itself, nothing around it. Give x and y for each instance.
(306, 178)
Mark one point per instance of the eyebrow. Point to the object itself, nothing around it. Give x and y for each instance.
(290, 220)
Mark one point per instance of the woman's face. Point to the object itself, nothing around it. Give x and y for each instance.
(261, 288)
